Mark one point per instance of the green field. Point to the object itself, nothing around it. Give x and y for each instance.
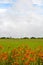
(32, 43)
(21, 52)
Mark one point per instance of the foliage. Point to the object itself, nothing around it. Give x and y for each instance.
(21, 56)
(33, 38)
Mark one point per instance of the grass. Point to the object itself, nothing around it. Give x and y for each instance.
(13, 43)
(16, 54)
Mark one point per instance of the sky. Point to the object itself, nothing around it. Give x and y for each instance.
(20, 18)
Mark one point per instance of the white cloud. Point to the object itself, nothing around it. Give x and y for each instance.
(5, 1)
(19, 20)
(2, 11)
(39, 2)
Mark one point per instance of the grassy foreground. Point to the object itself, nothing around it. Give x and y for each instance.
(21, 51)
(14, 43)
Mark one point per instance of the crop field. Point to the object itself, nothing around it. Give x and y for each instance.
(13, 43)
(21, 51)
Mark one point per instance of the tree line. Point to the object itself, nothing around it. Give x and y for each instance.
(21, 38)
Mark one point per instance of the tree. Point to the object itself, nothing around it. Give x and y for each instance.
(33, 38)
(25, 38)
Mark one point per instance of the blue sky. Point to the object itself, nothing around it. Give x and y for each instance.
(38, 6)
(20, 18)
(38, 9)
(5, 5)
